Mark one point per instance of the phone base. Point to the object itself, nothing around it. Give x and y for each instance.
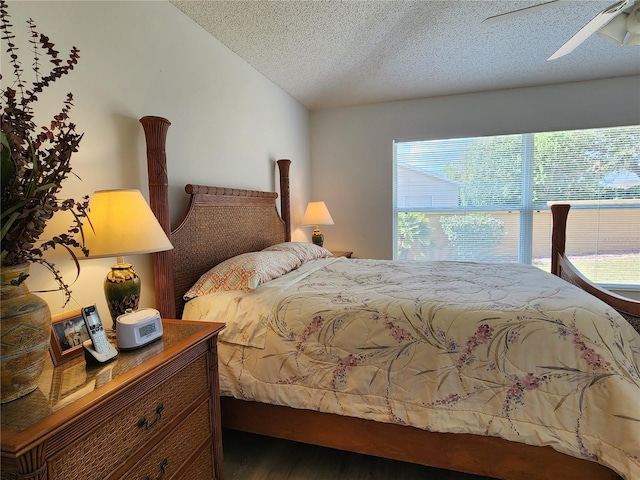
(91, 356)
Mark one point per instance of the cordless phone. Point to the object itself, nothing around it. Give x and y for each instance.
(97, 347)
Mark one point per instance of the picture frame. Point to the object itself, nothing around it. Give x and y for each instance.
(68, 331)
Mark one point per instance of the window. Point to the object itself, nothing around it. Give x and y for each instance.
(487, 199)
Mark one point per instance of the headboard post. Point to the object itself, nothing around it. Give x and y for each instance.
(559, 213)
(232, 214)
(155, 129)
(285, 206)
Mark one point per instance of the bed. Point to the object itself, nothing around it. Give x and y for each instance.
(220, 225)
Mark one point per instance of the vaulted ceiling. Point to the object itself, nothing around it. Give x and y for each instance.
(329, 54)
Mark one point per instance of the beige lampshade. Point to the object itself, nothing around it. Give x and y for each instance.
(317, 214)
(123, 224)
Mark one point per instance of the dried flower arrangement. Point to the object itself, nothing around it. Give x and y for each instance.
(35, 161)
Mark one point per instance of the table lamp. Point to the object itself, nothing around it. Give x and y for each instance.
(317, 214)
(122, 224)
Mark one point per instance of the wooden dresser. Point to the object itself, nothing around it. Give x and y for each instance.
(151, 413)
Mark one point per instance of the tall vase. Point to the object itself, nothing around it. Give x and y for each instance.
(25, 329)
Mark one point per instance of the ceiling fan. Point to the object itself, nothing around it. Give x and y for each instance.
(612, 24)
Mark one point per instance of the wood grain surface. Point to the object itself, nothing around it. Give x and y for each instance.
(255, 457)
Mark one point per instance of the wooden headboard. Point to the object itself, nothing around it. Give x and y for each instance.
(242, 221)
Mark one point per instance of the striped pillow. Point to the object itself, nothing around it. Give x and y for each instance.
(303, 250)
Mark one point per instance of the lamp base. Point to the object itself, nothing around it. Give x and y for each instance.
(122, 290)
(317, 238)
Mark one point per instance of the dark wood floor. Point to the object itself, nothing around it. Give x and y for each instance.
(254, 457)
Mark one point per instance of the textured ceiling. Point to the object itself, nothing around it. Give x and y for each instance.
(329, 54)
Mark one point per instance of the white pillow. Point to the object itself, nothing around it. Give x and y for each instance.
(303, 250)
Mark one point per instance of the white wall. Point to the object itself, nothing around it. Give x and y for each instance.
(352, 148)
(229, 123)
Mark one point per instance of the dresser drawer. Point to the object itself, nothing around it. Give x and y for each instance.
(170, 455)
(113, 442)
(202, 468)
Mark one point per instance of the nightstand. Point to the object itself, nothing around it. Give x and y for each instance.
(339, 253)
(152, 412)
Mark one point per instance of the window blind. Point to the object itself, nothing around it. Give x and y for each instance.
(488, 198)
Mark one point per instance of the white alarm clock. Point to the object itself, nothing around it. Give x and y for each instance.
(135, 329)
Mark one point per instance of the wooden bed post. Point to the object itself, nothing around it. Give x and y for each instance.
(285, 200)
(155, 129)
(559, 213)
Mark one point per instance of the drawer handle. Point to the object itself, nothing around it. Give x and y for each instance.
(143, 422)
(163, 465)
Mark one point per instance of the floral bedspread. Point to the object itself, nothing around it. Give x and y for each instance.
(492, 349)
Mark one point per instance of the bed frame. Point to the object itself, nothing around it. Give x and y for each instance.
(222, 222)
(562, 267)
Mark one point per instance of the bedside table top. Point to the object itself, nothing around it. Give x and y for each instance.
(76, 382)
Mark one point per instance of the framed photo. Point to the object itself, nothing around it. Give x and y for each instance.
(68, 331)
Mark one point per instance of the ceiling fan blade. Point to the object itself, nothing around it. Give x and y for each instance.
(590, 28)
(521, 11)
